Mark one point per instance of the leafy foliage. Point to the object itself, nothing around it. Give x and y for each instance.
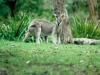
(4, 10)
(14, 27)
(85, 28)
(29, 6)
(32, 5)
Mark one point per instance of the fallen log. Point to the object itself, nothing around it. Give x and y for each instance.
(86, 41)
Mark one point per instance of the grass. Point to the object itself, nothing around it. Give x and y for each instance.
(19, 58)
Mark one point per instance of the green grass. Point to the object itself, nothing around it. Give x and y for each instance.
(19, 58)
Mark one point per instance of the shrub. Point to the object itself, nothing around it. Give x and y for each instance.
(85, 28)
(13, 28)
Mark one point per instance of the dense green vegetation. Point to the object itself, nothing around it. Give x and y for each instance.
(18, 58)
(85, 28)
(14, 21)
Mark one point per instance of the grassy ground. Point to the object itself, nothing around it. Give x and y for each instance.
(19, 58)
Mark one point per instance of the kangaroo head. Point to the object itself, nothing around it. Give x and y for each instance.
(60, 18)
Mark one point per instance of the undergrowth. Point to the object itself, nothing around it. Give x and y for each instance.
(85, 28)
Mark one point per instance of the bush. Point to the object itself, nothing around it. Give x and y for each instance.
(85, 28)
(13, 28)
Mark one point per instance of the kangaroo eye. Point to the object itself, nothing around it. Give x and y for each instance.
(60, 21)
(33, 25)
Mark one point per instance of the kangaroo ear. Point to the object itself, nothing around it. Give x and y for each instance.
(55, 15)
(62, 16)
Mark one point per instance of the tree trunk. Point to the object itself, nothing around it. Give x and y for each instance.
(93, 10)
(11, 4)
(59, 9)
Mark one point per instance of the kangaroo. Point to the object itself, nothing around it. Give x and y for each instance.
(63, 21)
(45, 28)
